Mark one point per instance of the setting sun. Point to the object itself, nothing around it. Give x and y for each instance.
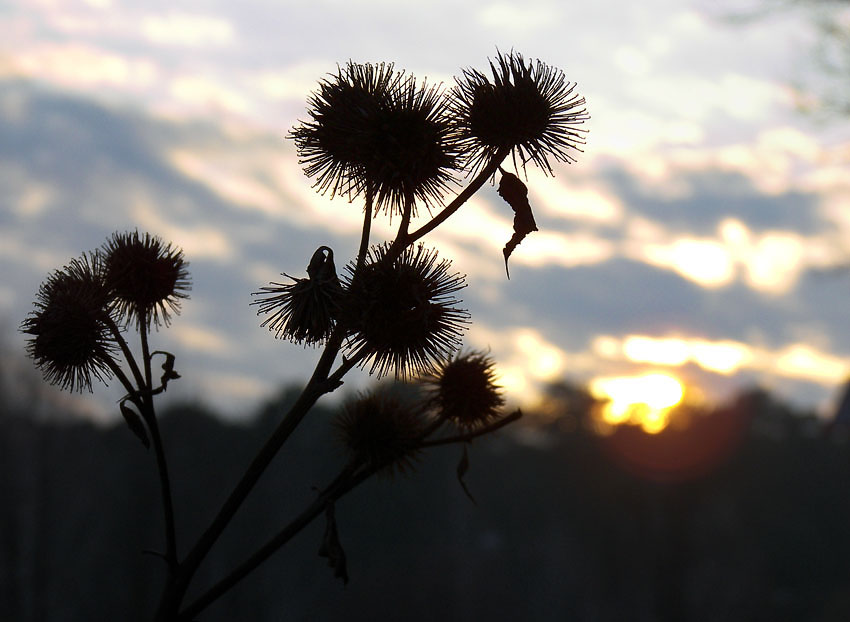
(646, 400)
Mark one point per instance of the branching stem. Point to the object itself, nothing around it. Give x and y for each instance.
(125, 350)
(346, 481)
(460, 199)
(315, 388)
(149, 415)
(468, 436)
(122, 378)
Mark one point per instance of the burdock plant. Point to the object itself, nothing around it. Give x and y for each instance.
(403, 147)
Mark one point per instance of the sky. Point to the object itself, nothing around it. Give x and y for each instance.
(700, 236)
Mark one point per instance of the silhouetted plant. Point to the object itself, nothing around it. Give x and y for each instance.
(375, 133)
(464, 390)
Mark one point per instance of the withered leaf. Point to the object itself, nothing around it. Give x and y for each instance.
(462, 468)
(134, 422)
(512, 190)
(168, 372)
(331, 547)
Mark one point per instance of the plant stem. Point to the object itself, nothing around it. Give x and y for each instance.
(320, 383)
(468, 436)
(149, 415)
(407, 213)
(317, 386)
(344, 483)
(122, 378)
(146, 355)
(367, 228)
(165, 485)
(128, 356)
(460, 199)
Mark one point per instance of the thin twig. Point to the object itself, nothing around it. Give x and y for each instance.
(433, 427)
(122, 378)
(468, 436)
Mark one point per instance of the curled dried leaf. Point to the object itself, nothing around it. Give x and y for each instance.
(168, 372)
(515, 193)
(331, 547)
(462, 468)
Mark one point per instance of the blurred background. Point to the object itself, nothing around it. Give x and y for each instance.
(702, 234)
(689, 281)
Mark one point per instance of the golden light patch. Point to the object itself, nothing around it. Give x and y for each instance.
(704, 261)
(775, 262)
(646, 400)
(802, 361)
(658, 351)
(575, 202)
(544, 361)
(722, 357)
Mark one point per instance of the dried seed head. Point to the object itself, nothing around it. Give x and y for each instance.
(305, 310)
(463, 390)
(146, 278)
(380, 431)
(529, 109)
(71, 342)
(375, 131)
(401, 314)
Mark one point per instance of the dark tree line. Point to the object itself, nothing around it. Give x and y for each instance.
(742, 515)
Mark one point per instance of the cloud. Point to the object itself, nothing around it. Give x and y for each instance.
(208, 94)
(197, 241)
(83, 66)
(702, 197)
(615, 256)
(771, 262)
(235, 186)
(798, 361)
(293, 83)
(719, 356)
(574, 199)
(704, 262)
(187, 29)
(202, 340)
(505, 16)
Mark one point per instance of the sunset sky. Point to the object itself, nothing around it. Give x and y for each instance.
(697, 236)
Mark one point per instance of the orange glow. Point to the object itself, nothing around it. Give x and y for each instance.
(646, 400)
